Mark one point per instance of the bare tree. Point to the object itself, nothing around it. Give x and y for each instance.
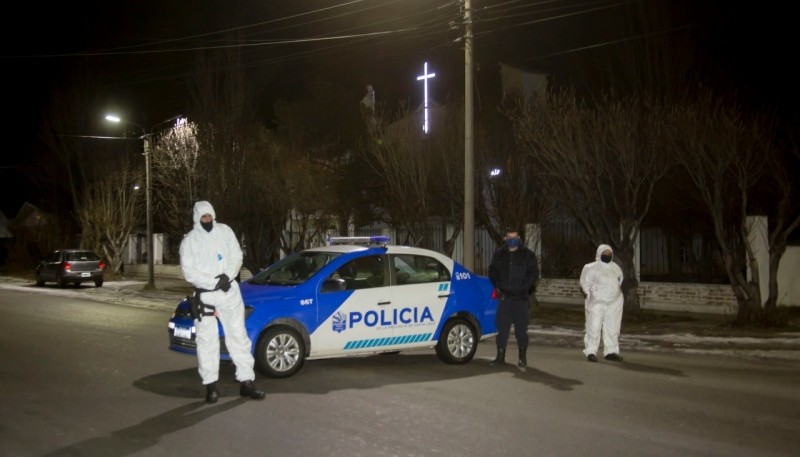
(110, 210)
(512, 196)
(400, 153)
(785, 218)
(89, 179)
(248, 186)
(447, 178)
(600, 162)
(312, 197)
(260, 195)
(421, 174)
(319, 127)
(238, 164)
(727, 153)
(174, 174)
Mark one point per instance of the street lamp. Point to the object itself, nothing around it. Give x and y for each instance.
(146, 138)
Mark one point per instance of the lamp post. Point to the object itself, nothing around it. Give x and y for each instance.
(148, 191)
(146, 137)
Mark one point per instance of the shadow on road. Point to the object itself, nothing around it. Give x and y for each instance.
(534, 375)
(182, 383)
(627, 365)
(376, 371)
(147, 433)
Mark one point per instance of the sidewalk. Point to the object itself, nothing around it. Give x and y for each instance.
(691, 335)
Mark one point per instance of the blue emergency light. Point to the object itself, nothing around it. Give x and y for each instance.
(367, 240)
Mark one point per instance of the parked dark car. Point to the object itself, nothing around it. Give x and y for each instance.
(70, 266)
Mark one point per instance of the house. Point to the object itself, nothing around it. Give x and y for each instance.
(6, 237)
(30, 229)
(4, 232)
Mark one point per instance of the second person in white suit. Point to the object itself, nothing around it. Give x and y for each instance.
(601, 281)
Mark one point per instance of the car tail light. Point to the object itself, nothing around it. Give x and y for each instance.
(494, 294)
(101, 265)
(67, 266)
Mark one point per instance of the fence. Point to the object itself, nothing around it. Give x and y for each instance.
(564, 252)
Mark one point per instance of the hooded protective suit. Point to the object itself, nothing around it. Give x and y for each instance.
(204, 256)
(602, 284)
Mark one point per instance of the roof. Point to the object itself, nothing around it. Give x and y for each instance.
(29, 216)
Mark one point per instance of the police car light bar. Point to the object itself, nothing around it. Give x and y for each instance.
(368, 240)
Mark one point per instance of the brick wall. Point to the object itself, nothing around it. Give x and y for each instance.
(695, 298)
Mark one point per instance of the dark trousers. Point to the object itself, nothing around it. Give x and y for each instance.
(512, 310)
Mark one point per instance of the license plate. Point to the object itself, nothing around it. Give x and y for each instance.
(85, 275)
(181, 332)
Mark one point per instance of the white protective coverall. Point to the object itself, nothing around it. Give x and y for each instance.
(602, 284)
(204, 256)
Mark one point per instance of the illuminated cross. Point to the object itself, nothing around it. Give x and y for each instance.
(424, 77)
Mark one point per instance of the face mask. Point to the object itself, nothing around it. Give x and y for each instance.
(512, 242)
(605, 258)
(207, 225)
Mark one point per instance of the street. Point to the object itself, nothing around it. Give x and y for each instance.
(88, 378)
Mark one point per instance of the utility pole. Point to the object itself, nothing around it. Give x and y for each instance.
(469, 180)
(151, 281)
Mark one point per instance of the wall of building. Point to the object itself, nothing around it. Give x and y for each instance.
(788, 274)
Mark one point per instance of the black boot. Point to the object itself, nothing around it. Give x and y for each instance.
(248, 389)
(500, 359)
(211, 393)
(523, 358)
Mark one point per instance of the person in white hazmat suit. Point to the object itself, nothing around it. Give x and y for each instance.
(210, 256)
(601, 281)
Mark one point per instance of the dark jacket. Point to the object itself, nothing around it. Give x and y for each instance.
(514, 273)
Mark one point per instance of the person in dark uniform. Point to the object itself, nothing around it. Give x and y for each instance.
(513, 272)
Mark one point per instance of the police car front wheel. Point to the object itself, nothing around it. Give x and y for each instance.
(280, 352)
(458, 342)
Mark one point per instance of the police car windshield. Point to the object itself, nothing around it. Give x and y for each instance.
(294, 269)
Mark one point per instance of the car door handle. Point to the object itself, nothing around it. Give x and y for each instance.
(382, 303)
(444, 295)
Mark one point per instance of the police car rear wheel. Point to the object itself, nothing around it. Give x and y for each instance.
(458, 342)
(280, 353)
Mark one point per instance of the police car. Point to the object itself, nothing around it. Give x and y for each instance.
(356, 296)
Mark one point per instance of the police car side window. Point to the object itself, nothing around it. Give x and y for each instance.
(373, 271)
(417, 269)
(362, 273)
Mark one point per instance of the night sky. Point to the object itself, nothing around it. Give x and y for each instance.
(138, 53)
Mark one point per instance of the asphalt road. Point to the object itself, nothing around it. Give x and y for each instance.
(87, 377)
(689, 337)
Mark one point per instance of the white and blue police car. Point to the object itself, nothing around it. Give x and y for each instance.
(356, 296)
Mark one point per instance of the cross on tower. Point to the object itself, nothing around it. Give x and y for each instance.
(424, 77)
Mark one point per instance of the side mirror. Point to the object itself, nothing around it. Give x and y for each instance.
(334, 285)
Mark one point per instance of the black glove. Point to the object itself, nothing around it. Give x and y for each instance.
(195, 306)
(224, 283)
